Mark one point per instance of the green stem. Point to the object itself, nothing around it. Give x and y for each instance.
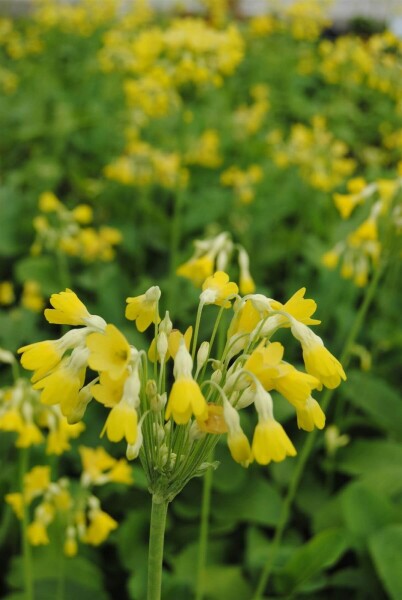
(310, 440)
(174, 244)
(155, 553)
(203, 542)
(197, 328)
(26, 548)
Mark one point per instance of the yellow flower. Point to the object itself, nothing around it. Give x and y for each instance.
(264, 363)
(48, 202)
(36, 482)
(29, 435)
(41, 357)
(70, 547)
(6, 293)
(345, 203)
(245, 319)
(270, 442)
(122, 422)
(238, 443)
(298, 307)
(62, 386)
(37, 534)
(174, 339)
(67, 309)
(11, 421)
(109, 391)
(185, 397)
(95, 461)
(16, 502)
(83, 214)
(318, 361)
(310, 415)
(294, 385)
(109, 351)
(144, 309)
(330, 259)
(218, 290)
(121, 472)
(215, 422)
(101, 524)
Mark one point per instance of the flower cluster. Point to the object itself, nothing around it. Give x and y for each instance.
(242, 181)
(249, 118)
(174, 427)
(76, 511)
(21, 412)
(380, 203)
(69, 231)
(214, 254)
(322, 159)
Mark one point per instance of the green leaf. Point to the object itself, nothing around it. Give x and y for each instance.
(226, 582)
(377, 399)
(364, 510)
(386, 551)
(42, 269)
(318, 554)
(261, 505)
(365, 456)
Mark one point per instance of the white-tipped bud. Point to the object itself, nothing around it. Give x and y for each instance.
(168, 427)
(183, 363)
(166, 324)
(195, 432)
(216, 364)
(163, 454)
(93, 503)
(158, 402)
(133, 450)
(153, 294)
(216, 376)
(151, 389)
(202, 355)
(6, 357)
(95, 322)
(246, 398)
(159, 432)
(162, 346)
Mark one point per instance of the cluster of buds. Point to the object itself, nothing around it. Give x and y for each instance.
(214, 254)
(22, 413)
(361, 250)
(70, 231)
(173, 424)
(75, 510)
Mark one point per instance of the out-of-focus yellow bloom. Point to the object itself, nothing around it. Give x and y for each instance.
(218, 290)
(100, 526)
(144, 309)
(7, 295)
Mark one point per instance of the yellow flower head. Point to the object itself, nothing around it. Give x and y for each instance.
(215, 422)
(270, 442)
(294, 385)
(16, 501)
(109, 391)
(36, 482)
(122, 421)
(144, 309)
(299, 307)
(64, 383)
(310, 415)
(37, 534)
(48, 202)
(245, 319)
(95, 461)
(29, 435)
(318, 361)
(67, 309)
(101, 524)
(83, 214)
(41, 357)
(185, 398)
(218, 290)
(346, 203)
(197, 269)
(264, 363)
(109, 351)
(238, 443)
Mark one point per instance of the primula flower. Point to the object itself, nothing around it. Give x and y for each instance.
(294, 385)
(197, 269)
(144, 309)
(67, 309)
(318, 360)
(63, 385)
(122, 421)
(37, 534)
(298, 307)
(264, 363)
(270, 442)
(185, 397)
(109, 351)
(109, 391)
(100, 525)
(218, 290)
(238, 443)
(310, 415)
(174, 340)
